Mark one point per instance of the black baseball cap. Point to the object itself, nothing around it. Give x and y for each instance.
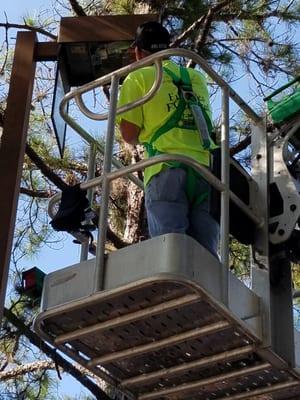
(151, 36)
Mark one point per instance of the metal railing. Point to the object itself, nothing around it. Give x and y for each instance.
(108, 175)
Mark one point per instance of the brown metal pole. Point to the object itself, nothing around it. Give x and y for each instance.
(12, 146)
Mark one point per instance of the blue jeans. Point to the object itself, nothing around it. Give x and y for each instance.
(169, 210)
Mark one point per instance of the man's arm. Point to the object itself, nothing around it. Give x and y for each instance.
(129, 131)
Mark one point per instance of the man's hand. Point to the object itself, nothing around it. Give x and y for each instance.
(130, 132)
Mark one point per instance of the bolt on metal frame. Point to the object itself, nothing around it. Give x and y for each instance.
(109, 175)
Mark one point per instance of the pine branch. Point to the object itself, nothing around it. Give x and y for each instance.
(195, 25)
(25, 369)
(247, 16)
(76, 7)
(208, 21)
(41, 194)
(7, 25)
(204, 19)
(240, 146)
(225, 17)
(51, 352)
(54, 178)
(248, 58)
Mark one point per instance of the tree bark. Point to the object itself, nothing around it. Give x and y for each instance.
(25, 369)
(134, 231)
(41, 194)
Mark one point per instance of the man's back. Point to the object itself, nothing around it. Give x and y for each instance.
(158, 111)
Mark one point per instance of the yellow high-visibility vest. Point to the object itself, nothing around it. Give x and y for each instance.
(154, 114)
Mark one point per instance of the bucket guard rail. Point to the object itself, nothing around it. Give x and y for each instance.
(147, 318)
(113, 78)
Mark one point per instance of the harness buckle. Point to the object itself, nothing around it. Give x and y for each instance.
(188, 95)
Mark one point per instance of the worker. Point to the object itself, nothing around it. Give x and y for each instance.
(176, 197)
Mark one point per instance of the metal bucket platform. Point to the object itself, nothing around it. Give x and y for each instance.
(158, 330)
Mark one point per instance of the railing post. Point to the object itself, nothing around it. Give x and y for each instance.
(107, 163)
(224, 226)
(90, 175)
(270, 269)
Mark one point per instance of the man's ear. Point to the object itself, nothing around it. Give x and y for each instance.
(138, 53)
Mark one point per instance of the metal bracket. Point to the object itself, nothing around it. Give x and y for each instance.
(287, 198)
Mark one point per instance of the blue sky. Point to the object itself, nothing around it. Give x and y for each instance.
(16, 9)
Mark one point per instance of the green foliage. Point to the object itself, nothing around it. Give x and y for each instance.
(30, 20)
(296, 276)
(99, 7)
(188, 10)
(239, 259)
(32, 386)
(123, 6)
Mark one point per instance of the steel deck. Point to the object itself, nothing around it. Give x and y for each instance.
(165, 339)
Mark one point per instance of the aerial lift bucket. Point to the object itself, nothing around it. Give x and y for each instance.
(158, 326)
(159, 329)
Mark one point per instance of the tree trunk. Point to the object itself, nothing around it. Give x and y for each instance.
(135, 227)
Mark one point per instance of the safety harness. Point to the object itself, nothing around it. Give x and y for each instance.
(199, 120)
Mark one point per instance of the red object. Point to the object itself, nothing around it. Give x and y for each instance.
(32, 282)
(29, 279)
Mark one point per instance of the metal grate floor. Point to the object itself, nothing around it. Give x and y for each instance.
(166, 339)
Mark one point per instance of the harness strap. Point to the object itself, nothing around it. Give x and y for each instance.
(173, 120)
(191, 183)
(183, 84)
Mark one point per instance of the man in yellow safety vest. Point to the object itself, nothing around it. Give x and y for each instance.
(176, 197)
